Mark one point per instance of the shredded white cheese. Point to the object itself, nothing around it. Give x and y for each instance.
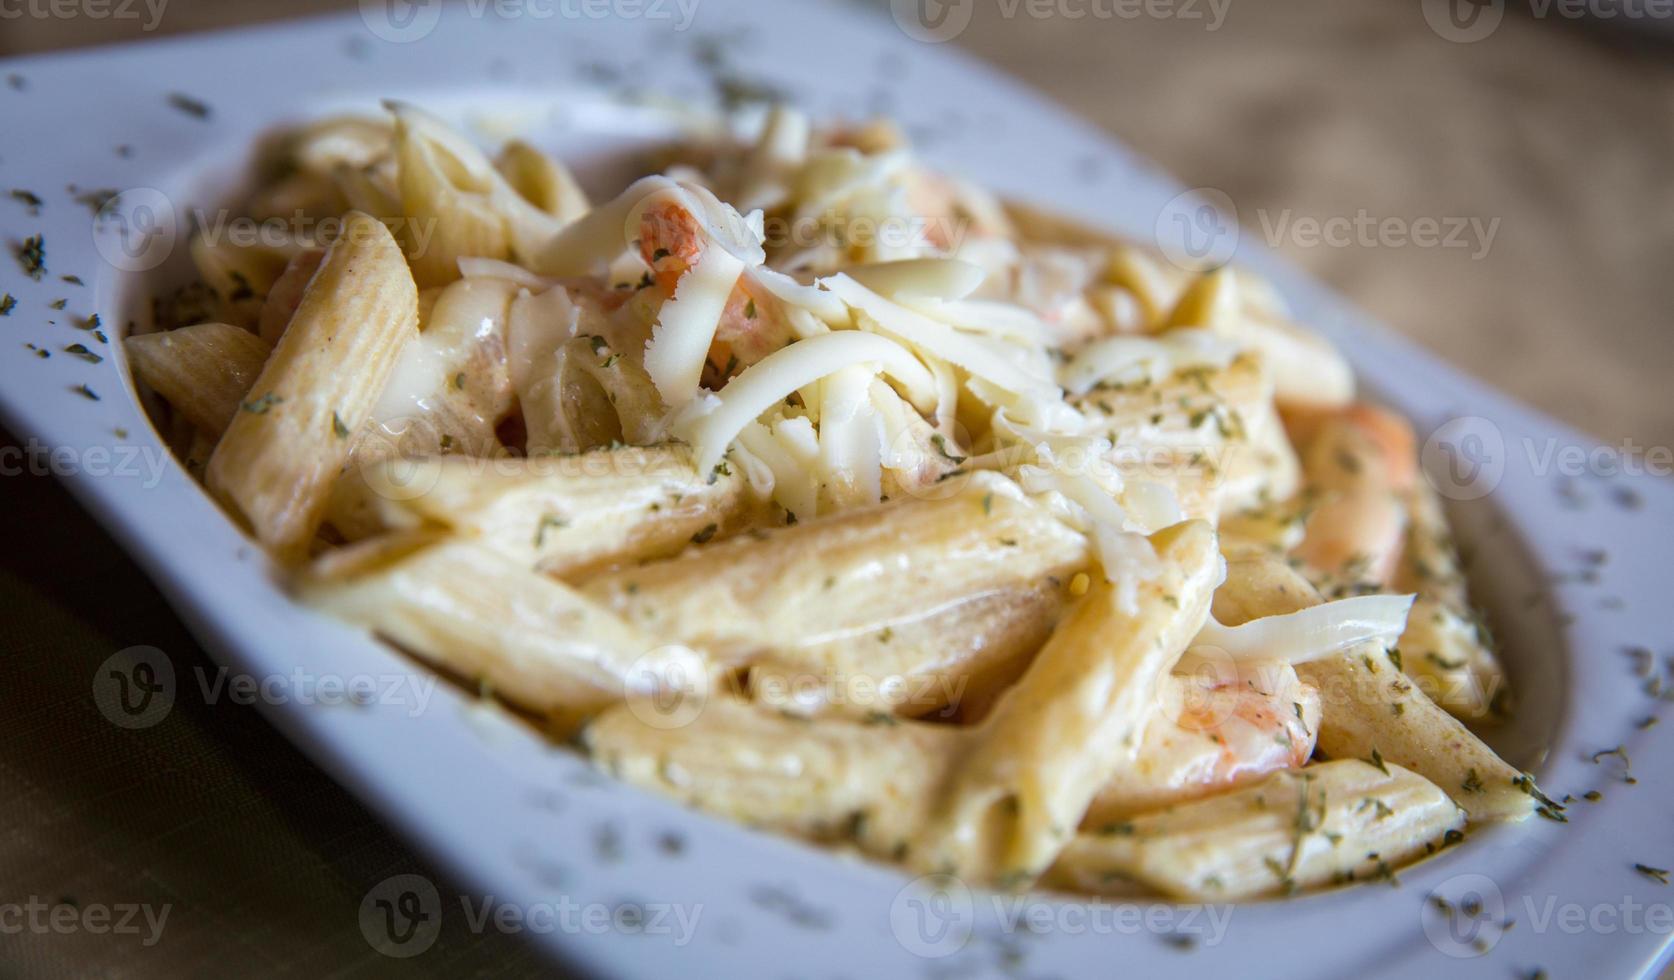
(1128, 359)
(711, 423)
(1312, 633)
(685, 327)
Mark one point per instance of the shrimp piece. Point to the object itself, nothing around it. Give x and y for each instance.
(1211, 735)
(754, 323)
(1360, 464)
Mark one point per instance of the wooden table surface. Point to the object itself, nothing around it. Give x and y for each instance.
(1555, 135)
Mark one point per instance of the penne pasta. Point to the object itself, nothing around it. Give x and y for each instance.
(275, 465)
(533, 641)
(465, 207)
(1217, 422)
(543, 181)
(837, 496)
(203, 371)
(1077, 715)
(286, 294)
(242, 274)
(1328, 824)
(880, 572)
(1445, 648)
(569, 516)
(860, 779)
(1368, 706)
(956, 659)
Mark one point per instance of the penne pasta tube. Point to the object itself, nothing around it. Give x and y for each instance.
(1369, 706)
(1328, 824)
(1262, 468)
(533, 641)
(1445, 648)
(1077, 716)
(1430, 564)
(286, 294)
(863, 779)
(1193, 408)
(959, 658)
(568, 516)
(296, 193)
(445, 201)
(1272, 530)
(542, 181)
(1000, 548)
(281, 453)
(1210, 301)
(376, 190)
(241, 274)
(463, 205)
(1308, 372)
(826, 597)
(860, 779)
(341, 141)
(1443, 652)
(1220, 423)
(202, 371)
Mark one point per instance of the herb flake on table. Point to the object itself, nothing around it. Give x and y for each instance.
(32, 256)
(97, 201)
(190, 106)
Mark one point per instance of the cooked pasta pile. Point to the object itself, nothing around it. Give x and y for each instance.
(829, 493)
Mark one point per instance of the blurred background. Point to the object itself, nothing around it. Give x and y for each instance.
(1500, 185)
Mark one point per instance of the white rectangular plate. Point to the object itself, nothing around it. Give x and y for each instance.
(502, 811)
